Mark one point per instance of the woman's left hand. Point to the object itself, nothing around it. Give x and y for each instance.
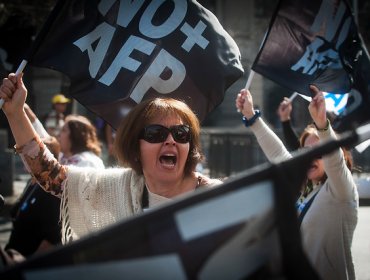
(317, 108)
(244, 103)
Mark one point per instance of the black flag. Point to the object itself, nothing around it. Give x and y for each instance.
(118, 53)
(17, 32)
(317, 42)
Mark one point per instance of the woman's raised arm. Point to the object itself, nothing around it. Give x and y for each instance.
(14, 93)
(36, 157)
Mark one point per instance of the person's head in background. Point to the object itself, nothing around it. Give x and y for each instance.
(316, 172)
(60, 103)
(78, 135)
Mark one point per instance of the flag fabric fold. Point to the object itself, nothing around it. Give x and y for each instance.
(317, 42)
(118, 53)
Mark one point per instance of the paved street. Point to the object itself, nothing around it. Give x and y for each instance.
(361, 242)
(361, 245)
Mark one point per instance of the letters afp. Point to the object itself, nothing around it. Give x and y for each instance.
(104, 33)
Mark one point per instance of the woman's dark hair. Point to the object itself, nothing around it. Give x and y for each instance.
(126, 143)
(83, 135)
(312, 130)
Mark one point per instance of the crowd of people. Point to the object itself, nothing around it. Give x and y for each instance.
(157, 148)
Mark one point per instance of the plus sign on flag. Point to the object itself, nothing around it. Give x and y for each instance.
(118, 53)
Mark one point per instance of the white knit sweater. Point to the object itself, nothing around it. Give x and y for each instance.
(95, 198)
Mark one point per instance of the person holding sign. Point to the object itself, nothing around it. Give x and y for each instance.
(158, 144)
(328, 214)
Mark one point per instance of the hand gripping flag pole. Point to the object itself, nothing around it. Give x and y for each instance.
(19, 71)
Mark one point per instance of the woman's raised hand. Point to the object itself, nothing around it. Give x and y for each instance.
(244, 103)
(14, 93)
(317, 108)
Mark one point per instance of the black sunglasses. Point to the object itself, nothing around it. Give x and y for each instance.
(156, 133)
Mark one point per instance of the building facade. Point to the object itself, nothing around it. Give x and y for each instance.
(247, 22)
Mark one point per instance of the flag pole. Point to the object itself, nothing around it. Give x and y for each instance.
(248, 83)
(19, 71)
(250, 78)
(251, 73)
(294, 95)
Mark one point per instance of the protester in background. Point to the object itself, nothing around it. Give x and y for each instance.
(37, 125)
(329, 213)
(158, 143)
(290, 137)
(54, 120)
(36, 215)
(79, 143)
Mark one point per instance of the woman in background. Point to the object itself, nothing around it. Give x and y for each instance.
(79, 143)
(328, 212)
(36, 215)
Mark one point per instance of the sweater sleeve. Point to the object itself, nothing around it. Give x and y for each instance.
(269, 142)
(340, 178)
(43, 166)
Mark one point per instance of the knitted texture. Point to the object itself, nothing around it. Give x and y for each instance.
(93, 199)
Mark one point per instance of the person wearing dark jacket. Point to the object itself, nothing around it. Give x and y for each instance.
(290, 137)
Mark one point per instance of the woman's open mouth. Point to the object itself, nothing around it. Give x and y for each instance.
(168, 160)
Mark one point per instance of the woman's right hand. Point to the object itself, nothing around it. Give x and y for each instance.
(14, 93)
(317, 107)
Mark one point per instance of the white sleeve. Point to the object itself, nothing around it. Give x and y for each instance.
(37, 125)
(342, 184)
(270, 143)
